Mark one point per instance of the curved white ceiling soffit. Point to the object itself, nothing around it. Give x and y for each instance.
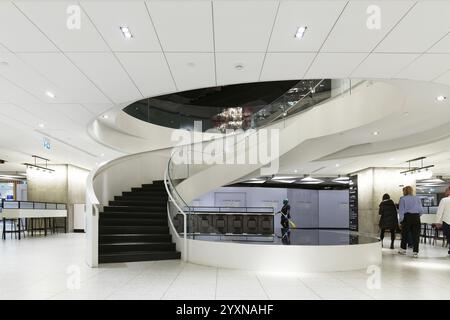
(65, 77)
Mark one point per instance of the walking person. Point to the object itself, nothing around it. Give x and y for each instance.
(388, 219)
(410, 210)
(285, 227)
(443, 216)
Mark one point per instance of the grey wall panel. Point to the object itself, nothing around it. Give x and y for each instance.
(304, 207)
(230, 199)
(333, 209)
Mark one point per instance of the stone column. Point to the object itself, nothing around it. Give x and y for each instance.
(67, 184)
(372, 184)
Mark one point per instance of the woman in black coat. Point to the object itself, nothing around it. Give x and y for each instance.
(389, 218)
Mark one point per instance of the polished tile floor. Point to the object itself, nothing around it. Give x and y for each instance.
(53, 268)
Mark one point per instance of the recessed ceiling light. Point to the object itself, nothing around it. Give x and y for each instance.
(339, 178)
(191, 64)
(239, 66)
(311, 179)
(50, 94)
(392, 159)
(441, 98)
(284, 181)
(375, 133)
(105, 116)
(41, 125)
(102, 155)
(300, 32)
(337, 165)
(126, 32)
(283, 178)
(255, 181)
(295, 171)
(4, 63)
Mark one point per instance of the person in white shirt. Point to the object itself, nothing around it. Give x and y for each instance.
(443, 216)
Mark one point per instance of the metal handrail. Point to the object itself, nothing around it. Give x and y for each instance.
(171, 199)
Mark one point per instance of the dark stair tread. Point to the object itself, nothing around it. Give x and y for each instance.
(136, 203)
(131, 256)
(132, 208)
(133, 215)
(139, 197)
(134, 237)
(133, 243)
(135, 212)
(128, 222)
(136, 246)
(133, 229)
(136, 227)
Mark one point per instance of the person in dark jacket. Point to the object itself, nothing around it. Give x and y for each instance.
(285, 228)
(388, 219)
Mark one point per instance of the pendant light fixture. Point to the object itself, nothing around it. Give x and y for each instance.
(36, 166)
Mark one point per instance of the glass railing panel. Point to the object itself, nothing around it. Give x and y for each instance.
(39, 205)
(50, 206)
(27, 205)
(11, 204)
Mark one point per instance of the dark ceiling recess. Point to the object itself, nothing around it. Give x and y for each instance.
(231, 107)
(2, 161)
(319, 186)
(239, 95)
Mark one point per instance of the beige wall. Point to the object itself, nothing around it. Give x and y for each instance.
(372, 184)
(66, 185)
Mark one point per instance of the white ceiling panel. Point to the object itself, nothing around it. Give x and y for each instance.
(149, 71)
(426, 67)
(192, 70)
(74, 112)
(106, 72)
(12, 93)
(51, 118)
(183, 26)
(109, 16)
(444, 79)
(317, 16)
(17, 33)
(243, 25)
(352, 34)
(22, 75)
(443, 46)
(283, 66)
(425, 24)
(228, 67)
(52, 18)
(98, 108)
(19, 114)
(3, 48)
(383, 65)
(334, 65)
(58, 69)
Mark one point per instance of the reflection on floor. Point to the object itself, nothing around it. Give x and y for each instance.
(298, 237)
(49, 267)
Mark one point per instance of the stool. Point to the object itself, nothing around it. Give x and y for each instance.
(436, 234)
(16, 227)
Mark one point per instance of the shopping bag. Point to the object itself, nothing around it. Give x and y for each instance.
(293, 225)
